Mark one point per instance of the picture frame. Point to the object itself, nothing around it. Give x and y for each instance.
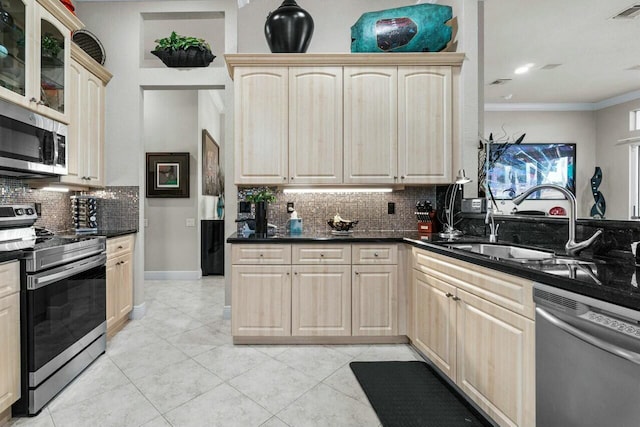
(167, 175)
(210, 164)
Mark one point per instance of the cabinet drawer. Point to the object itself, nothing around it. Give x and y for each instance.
(322, 254)
(511, 292)
(117, 246)
(9, 278)
(261, 254)
(374, 254)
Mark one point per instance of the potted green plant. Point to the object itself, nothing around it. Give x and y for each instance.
(260, 198)
(50, 45)
(183, 51)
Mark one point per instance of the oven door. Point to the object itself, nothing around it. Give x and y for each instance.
(66, 311)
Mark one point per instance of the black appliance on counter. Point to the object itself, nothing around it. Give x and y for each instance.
(62, 306)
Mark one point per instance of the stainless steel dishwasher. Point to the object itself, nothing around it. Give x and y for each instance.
(587, 361)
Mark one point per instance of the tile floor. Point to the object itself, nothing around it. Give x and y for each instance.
(178, 367)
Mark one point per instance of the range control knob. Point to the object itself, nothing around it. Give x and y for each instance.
(29, 211)
(19, 211)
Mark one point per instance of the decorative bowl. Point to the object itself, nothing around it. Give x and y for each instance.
(341, 225)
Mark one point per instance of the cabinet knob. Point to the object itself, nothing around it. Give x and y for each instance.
(448, 295)
(33, 100)
(296, 273)
(357, 274)
(261, 255)
(395, 177)
(321, 255)
(120, 247)
(284, 178)
(456, 299)
(288, 274)
(291, 178)
(402, 177)
(375, 254)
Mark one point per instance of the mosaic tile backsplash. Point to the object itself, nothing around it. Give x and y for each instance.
(117, 206)
(370, 209)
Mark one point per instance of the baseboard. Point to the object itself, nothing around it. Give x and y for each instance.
(138, 311)
(226, 312)
(172, 275)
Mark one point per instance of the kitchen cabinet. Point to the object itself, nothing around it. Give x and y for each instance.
(374, 287)
(351, 119)
(119, 281)
(261, 290)
(476, 325)
(310, 291)
(85, 139)
(36, 72)
(9, 334)
(261, 125)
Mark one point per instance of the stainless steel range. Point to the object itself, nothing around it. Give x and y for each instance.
(63, 305)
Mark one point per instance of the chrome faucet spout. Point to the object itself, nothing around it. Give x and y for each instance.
(493, 228)
(572, 247)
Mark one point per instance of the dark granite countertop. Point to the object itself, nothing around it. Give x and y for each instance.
(613, 279)
(106, 233)
(10, 256)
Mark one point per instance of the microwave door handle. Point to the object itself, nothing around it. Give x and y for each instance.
(36, 282)
(56, 160)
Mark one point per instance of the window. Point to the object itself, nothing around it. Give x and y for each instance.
(634, 120)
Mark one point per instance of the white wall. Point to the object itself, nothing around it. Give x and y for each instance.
(577, 127)
(210, 117)
(171, 125)
(612, 125)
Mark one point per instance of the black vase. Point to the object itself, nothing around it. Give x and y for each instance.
(288, 28)
(261, 219)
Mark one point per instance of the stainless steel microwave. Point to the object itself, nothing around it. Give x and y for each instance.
(31, 145)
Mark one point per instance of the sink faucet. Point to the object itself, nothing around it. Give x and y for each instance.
(572, 247)
(489, 220)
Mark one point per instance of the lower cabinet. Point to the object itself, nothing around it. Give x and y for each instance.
(314, 290)
(119, 281)
(485, 348)
(261, 299)
(9, 334)
(321, 300)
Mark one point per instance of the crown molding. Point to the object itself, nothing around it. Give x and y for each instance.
(560, 106)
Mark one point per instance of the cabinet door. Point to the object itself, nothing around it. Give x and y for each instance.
(374, 300)
(370, 125)
(315, 125)
(261, 125)
(53, 41)
(9, 350)
(112, 292)
(17, 67)
(76, 130)
(261, 300)
(434, 321)
(94, 143)
(425, 125)
(496, 353)
(125, 285)
(321, 300)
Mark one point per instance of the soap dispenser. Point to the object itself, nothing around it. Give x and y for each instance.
(294, 224)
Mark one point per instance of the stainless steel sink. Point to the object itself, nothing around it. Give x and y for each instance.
(509, 252)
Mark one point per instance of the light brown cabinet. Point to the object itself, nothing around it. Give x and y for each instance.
(346, 119)
(467, 321)
(9, 334)
(314, 290)
(119, 281)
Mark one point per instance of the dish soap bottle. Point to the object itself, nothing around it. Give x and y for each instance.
(295, 224)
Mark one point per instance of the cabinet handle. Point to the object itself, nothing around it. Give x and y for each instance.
(456, 299)
(448, 295)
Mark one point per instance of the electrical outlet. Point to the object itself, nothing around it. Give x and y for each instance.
(191, 222)
(391, 208)
(290, 207)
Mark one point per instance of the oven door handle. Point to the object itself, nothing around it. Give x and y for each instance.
(590, 339)
(38, 281)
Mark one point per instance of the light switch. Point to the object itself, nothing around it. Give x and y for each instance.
(191, 222)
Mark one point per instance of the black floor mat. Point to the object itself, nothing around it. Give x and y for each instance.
(411, 394)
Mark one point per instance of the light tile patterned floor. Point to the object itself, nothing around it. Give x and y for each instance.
(178, 367)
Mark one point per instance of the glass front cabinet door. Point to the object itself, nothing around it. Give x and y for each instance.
(35, 55)
(15, 49)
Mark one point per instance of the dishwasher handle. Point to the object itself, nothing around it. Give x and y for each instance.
(588, 338)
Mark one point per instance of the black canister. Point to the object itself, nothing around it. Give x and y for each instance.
(289, 28)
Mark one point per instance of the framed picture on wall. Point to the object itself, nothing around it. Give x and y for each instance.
(210, 165)
(167, 175)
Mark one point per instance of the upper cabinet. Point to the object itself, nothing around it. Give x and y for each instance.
(35, 69)
(362, 119)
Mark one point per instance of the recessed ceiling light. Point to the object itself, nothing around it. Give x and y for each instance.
(523, 69)
(507, 97)
(499, 82)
